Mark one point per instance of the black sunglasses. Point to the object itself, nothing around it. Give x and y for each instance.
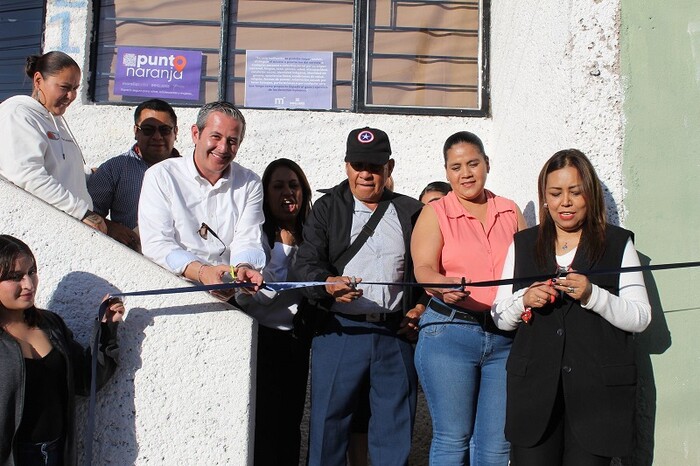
(149, 130)
(204, 231)
(370, 167)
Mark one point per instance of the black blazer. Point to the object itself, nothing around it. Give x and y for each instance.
(566, 344)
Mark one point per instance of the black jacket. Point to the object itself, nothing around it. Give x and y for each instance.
(566, 344)
(327, 236)
(77, 360)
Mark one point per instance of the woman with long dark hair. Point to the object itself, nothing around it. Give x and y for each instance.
(42, 366)
(283, 359)
(571, 370)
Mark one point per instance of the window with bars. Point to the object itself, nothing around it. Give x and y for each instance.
(21, 35)
(388, 56)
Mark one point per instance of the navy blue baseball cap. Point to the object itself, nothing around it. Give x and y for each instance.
(368, 145)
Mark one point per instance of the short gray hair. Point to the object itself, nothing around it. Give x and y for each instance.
(224, 107)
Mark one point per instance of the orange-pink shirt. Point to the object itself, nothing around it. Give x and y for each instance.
(472, 250)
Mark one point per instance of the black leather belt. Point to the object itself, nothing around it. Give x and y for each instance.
(376, 317)
(463, 314)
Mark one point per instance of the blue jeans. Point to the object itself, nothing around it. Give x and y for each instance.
(462, 369)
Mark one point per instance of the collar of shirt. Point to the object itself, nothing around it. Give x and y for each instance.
(191, 168)
(454, 209)
(135, 153)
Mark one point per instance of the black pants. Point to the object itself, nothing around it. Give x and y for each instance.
(283, 369)
(40, 454)
(558, 446)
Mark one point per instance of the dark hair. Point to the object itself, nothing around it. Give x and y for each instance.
(593, 228)
(48, 64)
(464, 137)
(270, 225)
(223, 107)
(10, 249)
(439, 186)
(156, 105)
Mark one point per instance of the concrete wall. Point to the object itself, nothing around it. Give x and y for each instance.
(181, 394)
(661, 71)
(555, 83)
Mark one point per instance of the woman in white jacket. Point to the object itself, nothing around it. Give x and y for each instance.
(40, 154)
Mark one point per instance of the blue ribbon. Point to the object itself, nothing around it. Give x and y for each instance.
(282, 286)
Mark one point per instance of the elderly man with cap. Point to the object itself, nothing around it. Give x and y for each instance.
(360, 231)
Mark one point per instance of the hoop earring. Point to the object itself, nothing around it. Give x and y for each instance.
(39, 93)
(545, 205)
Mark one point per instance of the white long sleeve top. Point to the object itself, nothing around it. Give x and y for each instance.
(630, 311)
(271, 308)
(41, 156)
(175, 200)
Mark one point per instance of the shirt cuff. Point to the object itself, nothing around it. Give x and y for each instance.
(254, 257)
(592, 299)
(177, 260)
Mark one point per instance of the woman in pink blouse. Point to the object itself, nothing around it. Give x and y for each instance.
(461, 354)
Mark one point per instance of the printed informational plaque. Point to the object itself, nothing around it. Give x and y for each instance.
(163, 73)
(284, 79)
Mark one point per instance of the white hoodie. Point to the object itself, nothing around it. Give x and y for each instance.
(41, 156)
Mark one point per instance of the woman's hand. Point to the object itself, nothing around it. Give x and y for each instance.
(245, 274)
(539, 294)
(575, 285)
(115, 311)
(285, 237)
(454, 296)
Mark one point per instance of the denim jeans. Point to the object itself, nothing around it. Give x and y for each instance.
(462, 369)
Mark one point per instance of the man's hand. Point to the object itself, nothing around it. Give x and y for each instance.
(342, 289)
(124, 235)
(213, 275)
(409, 324)
(93, 220)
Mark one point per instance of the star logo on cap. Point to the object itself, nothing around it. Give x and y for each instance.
(365, 137)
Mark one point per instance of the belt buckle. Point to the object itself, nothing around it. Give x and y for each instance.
(374, 317)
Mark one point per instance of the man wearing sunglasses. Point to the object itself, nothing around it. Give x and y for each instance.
(116, 185)
(200, 215)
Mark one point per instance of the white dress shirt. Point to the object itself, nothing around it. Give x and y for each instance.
(380, 259)
(175, 201)
(630, 311)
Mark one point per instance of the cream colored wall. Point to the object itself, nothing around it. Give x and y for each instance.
(181, 393)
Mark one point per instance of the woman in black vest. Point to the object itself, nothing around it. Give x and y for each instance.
(571, 370)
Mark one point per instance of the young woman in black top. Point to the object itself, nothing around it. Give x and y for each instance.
(43, 367)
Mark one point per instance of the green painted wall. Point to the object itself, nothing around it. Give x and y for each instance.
(660, 59)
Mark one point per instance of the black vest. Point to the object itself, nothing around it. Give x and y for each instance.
(593, 360)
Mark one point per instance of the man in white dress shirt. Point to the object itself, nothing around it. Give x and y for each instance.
(200, 214)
